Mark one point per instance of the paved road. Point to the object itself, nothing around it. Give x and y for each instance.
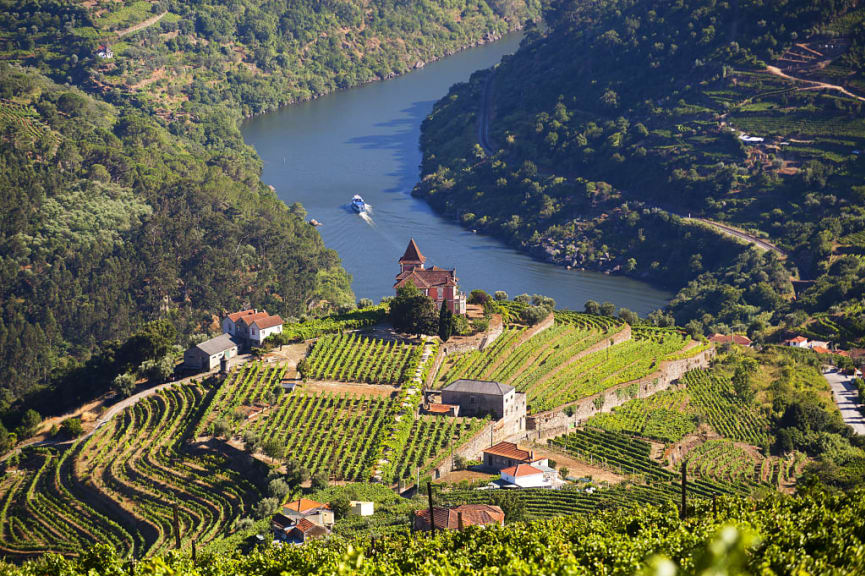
(484, 141)
(736, 233)
(847, 398)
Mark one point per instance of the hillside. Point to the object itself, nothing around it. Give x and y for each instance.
(132, 195)
(778, 535)
(643, 113)
(345, 414)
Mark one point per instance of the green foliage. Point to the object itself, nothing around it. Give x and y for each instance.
(412, 312)
(123, 385)
(71, 428)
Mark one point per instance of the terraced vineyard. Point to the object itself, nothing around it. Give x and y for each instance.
(512, 353)
(340, 434)
(120, 486)
(27, 120)
(631, 456)
(355, 358)
(665, 416)
(670, 415)
(559, 365)
(728, 414)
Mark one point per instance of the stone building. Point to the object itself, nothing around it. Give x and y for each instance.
(479, 398)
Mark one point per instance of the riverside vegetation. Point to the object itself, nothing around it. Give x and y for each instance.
(632, 123)
(130, 194)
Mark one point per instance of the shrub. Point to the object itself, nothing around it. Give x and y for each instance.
(500, 295)
(71, 428)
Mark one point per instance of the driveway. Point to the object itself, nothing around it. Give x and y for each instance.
(847, 398)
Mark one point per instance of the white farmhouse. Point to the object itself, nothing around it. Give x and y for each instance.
(251, 326)
(525, 476)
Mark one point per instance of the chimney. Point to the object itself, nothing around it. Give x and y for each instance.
(532, 455)
(460, 526)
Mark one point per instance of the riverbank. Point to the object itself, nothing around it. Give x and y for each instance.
(365, 141)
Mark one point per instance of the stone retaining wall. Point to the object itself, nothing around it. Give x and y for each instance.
(553, 423)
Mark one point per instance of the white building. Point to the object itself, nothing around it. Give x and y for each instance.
(252, 326)
(206, 356)
(360, 508)
(525, 476)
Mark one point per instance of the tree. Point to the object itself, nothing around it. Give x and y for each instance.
(5, 440)
(278, 488)
(71, 428)
(295, 473)
(302, 367)
(534, 314)
(478, 297)
(273, 448)
(500, 295)
(364, 303)
(608, 309)
(446, 323)
(412, 312)
(30, 423)
(523, 299)
(123, 385)
(266, 507)
(320, 480)
(158, 371)
(628, 316)
(510, 504)
(742, 379)
(340, 505)
(592, 307)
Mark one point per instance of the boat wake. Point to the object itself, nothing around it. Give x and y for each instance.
(367, 217)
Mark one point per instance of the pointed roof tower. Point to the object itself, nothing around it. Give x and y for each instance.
(412, 254)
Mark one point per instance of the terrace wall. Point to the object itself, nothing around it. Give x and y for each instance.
(555, 422)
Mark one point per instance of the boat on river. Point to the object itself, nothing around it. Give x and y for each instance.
(357, 204)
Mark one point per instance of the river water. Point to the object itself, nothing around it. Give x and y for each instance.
(365, 141)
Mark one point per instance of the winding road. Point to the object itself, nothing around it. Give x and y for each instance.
(725, 229)
(847, 398)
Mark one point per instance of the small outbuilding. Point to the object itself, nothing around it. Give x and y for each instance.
(361, 508)
(207, 355)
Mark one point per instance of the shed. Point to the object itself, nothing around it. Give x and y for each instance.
(361, 508)
(206, 356)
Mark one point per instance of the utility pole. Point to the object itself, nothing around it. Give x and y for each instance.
(684, 512)
(432, 522)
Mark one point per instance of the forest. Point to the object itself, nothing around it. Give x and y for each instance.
(643, 116)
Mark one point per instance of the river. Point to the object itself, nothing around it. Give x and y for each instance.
(365, 141)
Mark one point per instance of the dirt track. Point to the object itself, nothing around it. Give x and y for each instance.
(813, 84)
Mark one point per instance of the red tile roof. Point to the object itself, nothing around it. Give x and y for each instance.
(412, 253)
(821, 350)
(509, 450)
(521, 470)
(268, 322)
(449, 518)
(797, 339)
(425, 278)
(304, 525)
(303, 506)
(730, 339)
(238, 315)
